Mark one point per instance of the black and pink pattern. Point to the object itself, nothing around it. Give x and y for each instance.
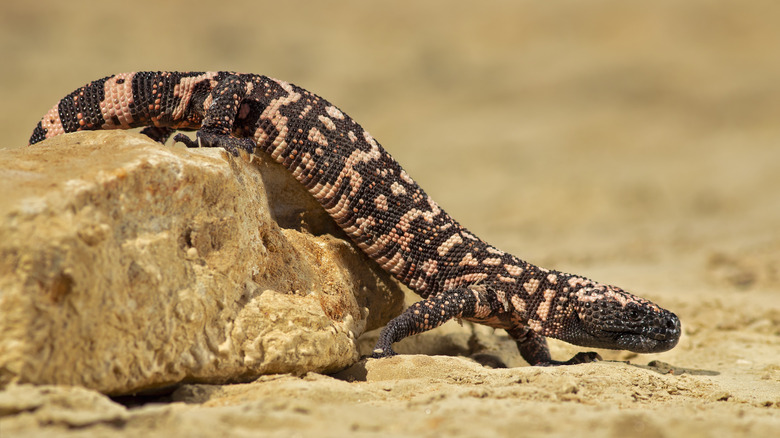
(379, 206)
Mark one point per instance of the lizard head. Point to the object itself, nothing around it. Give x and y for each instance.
(609, 317)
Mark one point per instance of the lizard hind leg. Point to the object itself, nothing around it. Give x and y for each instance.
(426, 315)
(217, 125)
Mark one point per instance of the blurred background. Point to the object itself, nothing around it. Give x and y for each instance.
(635, 142)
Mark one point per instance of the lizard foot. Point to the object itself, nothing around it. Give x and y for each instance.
(379, 353)
(582, 357)
(209, 140)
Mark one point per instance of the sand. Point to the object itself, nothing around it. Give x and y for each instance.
(637, 144)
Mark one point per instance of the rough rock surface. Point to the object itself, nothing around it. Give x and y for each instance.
(125, 266)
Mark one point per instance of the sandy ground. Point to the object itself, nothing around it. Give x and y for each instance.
(638, 144)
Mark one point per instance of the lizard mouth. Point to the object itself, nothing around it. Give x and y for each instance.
(662, 335)
(645, 344)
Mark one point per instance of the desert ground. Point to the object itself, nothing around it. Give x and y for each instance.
(635, 143)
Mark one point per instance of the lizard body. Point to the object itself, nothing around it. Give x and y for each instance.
(380, 207)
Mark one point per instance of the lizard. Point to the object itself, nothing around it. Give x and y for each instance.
(379, 206)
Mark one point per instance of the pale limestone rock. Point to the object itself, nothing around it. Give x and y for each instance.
(127, 265)
(57, 405)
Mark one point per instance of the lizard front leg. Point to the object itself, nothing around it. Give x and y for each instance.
(217, 125)
(426, 315)
(533, 348)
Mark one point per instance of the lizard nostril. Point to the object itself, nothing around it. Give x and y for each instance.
(673, 323)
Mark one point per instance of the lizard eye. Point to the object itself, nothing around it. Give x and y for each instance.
(633, 312)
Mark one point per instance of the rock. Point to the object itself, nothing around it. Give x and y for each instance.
(126, 265)
(60, 405)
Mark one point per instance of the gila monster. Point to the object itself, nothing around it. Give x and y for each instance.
(380, 207)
